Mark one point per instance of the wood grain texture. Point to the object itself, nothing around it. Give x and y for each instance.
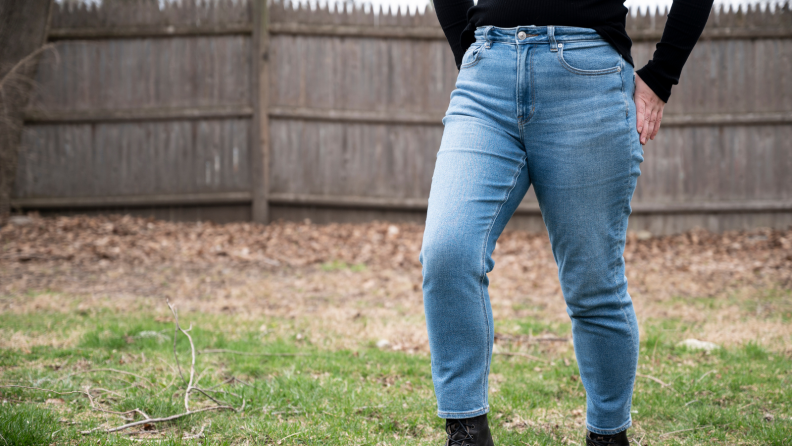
(127, 74)
(349, 123)
(84, 160)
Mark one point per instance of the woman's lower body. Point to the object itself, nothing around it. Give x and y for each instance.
(550, 107)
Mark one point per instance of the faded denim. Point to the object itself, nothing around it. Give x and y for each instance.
(552, 108)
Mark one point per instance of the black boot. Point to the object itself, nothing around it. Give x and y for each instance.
(469, 432)
(619, 439)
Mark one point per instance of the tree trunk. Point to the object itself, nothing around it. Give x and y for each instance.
(23, 32)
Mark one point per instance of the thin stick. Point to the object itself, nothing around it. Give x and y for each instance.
(222, 391)
(524, 355)
(281, 440)
(198, 435)
(192, 351)
(208, 396)
(658, 381)
(158, 420)
(175, 334)
(227, 381)
(704, 375)
(234, 352)
(45, 390)
(243, 382)
(110, 370)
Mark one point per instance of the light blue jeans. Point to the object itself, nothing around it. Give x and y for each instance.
(550, 107)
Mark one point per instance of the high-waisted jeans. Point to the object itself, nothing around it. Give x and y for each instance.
(550, 107)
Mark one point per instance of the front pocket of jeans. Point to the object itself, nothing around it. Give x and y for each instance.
(471, 56)
(581, 71)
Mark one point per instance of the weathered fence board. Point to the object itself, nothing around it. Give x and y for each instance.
(156, 73)
(335, 115)
(115, 159)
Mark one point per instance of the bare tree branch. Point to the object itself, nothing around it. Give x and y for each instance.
(192, 351)
(523, 355)
(157, 420)
(234, 352)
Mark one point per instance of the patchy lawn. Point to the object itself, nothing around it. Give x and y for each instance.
(318, 332)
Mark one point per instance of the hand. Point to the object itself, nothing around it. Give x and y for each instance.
(650, 110)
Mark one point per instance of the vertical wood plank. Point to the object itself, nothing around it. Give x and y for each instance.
(261, 137)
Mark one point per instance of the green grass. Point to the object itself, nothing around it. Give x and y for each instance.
(367, 396)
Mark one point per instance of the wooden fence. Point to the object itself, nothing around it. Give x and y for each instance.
(237, 110)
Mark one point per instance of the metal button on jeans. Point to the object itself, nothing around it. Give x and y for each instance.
(521, 35)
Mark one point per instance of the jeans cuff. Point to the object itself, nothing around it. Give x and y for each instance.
(462, 415)
(599, 431)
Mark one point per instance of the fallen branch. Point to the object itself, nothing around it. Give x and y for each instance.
(192, 350)
(122, 414)
(188, 390)
(234, 352)
(208, 396)
(200, 433)
(44, 390)
(281, 440)
(222, 391)
(158, 420)
(524, 355)
(123, 372)
(658, 381)
(704, 375)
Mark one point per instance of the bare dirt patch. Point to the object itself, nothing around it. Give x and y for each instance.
(344, 284)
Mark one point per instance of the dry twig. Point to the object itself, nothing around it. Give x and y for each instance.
(43, 389)
(234, 352)
(190, 388)
(192, 351)
(658, 381)
(123, 372)
(524, 355)
(158, 420)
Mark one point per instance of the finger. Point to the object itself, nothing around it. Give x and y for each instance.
(640, 107)
(649, 129)
(657, 124)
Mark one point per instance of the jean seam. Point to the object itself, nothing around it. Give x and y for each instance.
(484, 274)
(517, 101)
(443, 413)
(622, 228)
(574, 70)
(532, 93)
(621, 428)
(476, 59)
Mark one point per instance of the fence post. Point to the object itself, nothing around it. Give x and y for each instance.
(261, 136)
(23, 33)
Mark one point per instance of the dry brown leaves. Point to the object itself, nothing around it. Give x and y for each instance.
(137, 241)
(297, 270)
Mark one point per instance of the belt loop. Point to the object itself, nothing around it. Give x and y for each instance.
(551, 37)
(486, 37)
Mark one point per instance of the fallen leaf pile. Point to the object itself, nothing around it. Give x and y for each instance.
(139, 241)
(365, 279)
(694, 263)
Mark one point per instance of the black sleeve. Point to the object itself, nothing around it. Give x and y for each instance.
(452, 15)
(685, 23)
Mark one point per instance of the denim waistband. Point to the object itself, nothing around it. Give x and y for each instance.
(534, 34)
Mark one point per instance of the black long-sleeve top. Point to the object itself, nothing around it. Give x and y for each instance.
(686, 20)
